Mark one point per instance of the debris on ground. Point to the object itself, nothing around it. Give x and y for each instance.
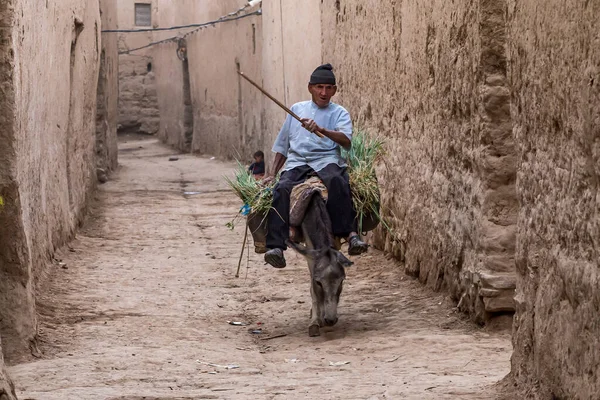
(229, 366)
(274, 336)
(101, 175)
(173, 158)
(338, 363)
(237, 323)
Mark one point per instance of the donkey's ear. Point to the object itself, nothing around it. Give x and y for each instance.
(342, 259)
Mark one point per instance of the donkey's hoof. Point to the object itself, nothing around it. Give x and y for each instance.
(314, 331)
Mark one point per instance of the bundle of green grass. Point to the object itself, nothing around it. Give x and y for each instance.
(362, 157)
(256, 196)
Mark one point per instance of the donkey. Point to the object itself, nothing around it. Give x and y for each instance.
(326, 265)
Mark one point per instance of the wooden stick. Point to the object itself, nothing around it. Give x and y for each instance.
(237, 274)
(287, 110)
(274, 337)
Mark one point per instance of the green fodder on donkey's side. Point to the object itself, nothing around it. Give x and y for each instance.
(362, 158)
(366, 150)
(257, 198)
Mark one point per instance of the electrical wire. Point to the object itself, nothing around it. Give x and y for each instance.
(198, 27)
(171, 28)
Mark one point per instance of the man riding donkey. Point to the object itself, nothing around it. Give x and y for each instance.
(302, 154)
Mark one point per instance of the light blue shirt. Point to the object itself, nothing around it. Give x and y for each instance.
(304, 148)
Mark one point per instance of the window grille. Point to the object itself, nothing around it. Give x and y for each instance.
(143, 14)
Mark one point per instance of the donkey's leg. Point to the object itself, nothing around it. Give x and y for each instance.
(315, 315)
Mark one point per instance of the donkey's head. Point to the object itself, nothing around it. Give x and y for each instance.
(327, 267)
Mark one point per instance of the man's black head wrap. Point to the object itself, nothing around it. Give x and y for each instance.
(323, 75)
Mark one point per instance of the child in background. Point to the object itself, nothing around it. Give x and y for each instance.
(257, 168)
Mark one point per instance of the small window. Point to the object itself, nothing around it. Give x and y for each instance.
(143, 14)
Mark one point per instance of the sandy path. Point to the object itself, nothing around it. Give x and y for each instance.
(148, 289)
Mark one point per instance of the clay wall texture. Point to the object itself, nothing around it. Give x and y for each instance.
(108, 91)
(230, 117)
(226, 110)
(7, 388)
(138, 102)
(49, 64)
(291, 52)
(430, 77)
(554, 50)
(169, 72)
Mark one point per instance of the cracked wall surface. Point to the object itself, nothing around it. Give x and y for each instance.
(48, 67)
(430, 77)
(108, 91)
(231, 118)
(554, 50)
(7, 388)
(7, 153)
(138, 102)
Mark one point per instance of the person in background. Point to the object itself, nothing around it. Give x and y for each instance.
(257, 168)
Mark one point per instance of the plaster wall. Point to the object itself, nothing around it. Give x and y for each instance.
(49, 64)
(554, 50)
(430, 77)
(108, 91)
(138, 103)
(230, 117)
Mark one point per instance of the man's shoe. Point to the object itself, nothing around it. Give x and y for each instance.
(275, 258)
(356, 246)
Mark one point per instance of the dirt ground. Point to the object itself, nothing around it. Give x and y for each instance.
(137, 307)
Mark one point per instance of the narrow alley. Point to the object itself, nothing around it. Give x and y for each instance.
(137, 307)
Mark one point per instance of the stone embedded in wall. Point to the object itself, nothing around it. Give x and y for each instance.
(430, 76)
(555, 73)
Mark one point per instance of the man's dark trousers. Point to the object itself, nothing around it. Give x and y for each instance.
(339, 203)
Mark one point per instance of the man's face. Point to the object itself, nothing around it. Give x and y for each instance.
(322, 94)
(258, 159)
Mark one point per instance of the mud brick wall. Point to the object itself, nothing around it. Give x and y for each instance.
(7, 388)
(138, 102)
(227, 112)
(555, 73)
(49, 57)
(108, 90)
(230, 118)
(430, 76)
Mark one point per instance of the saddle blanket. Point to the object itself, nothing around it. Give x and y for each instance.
(301, 197)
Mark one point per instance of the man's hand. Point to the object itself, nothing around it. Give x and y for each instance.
(267, 180)
(338, 137)
(310, 125)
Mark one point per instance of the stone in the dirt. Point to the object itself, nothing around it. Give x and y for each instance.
(173, 158)
(101, 175)
(338, 363)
